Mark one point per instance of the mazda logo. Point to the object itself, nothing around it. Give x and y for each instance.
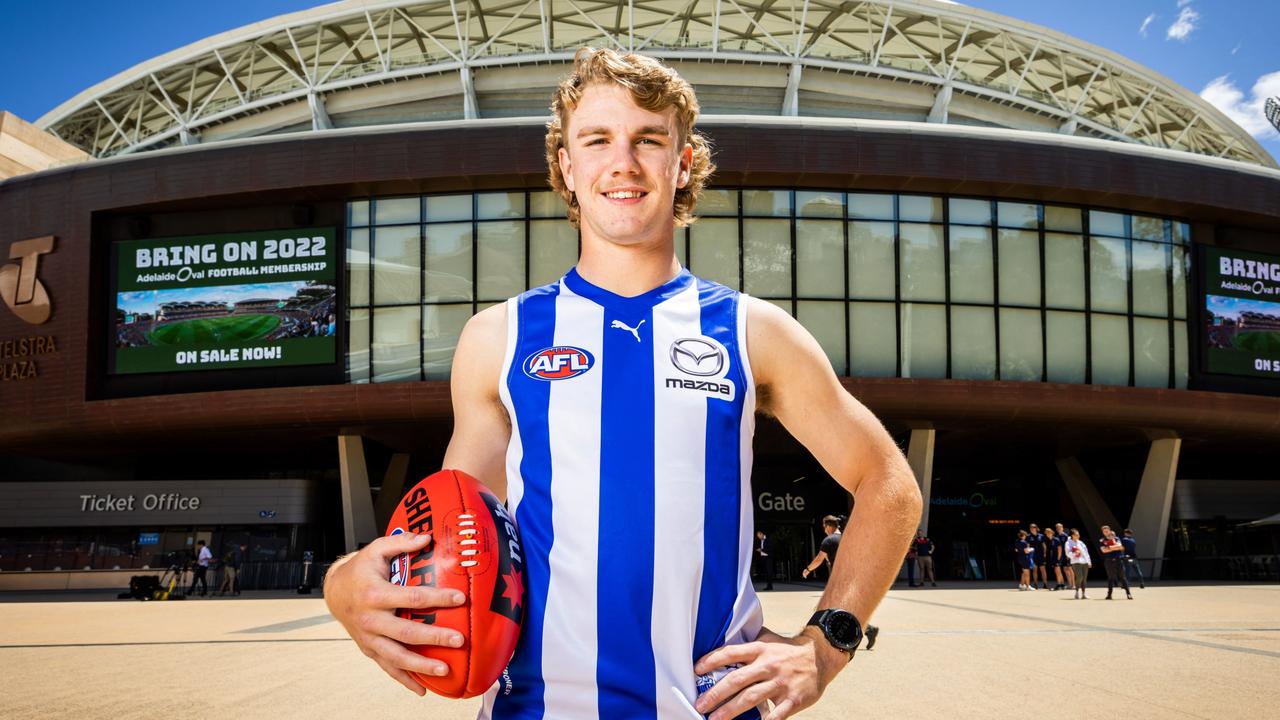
(696, 356)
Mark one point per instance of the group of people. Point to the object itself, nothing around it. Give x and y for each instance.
(1035, 552)
(232, 559)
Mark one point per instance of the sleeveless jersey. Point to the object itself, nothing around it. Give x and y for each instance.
(629, 474)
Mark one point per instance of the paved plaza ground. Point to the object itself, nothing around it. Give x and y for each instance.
(961, 651)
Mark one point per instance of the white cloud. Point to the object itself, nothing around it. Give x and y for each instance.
(1183, 26)
(1142, 29)
(1247, 112)
(1183, 3)
(1236, 49)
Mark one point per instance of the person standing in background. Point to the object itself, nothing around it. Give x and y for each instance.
(1113, 560)
(1078, 554)
(1054, 556)
(203, 558)
(1035, 539)
(764, 558)
(1024, 555)
(1066, 559)
(924, 557)
(1130, 544)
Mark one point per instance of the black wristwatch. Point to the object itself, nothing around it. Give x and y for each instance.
(841, 628)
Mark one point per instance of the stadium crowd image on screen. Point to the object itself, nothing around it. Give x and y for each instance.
(182, 305)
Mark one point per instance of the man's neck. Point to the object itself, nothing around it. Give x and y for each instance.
(627, 270)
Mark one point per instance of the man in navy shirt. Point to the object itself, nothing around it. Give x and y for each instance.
(1053, 543)
(1131, 557)
(924, 557)
(1037, 541)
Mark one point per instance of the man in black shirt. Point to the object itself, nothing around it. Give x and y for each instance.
(764, 558)
(832, 525)
(1130, 544)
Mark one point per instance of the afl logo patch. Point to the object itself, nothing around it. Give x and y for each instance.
(399, 565)
(558, 363)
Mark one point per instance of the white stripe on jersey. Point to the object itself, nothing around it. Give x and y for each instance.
(569, 636)
(679, 501)
(748, 616)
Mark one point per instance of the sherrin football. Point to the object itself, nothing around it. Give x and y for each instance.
(475, 548)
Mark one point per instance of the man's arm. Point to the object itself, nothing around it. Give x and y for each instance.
(814, 564)
(356, 588)
(795, 383)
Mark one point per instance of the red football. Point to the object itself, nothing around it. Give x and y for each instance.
(475, 548)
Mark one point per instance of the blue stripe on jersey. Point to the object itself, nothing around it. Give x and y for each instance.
(537, 323)
(723, 478)
(624, 600)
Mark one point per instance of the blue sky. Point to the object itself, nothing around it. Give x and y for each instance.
(1224, 50)
(148, 300)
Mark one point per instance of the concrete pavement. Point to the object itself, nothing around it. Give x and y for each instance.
(958, 651)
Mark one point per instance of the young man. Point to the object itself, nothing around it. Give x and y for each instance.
(1036, 539)
(203, 558)
(1113, 560)
(764, 558)
(1024, 555)
(1053, 542)
(634, 474)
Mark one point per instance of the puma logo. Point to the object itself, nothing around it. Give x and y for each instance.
(635, 331)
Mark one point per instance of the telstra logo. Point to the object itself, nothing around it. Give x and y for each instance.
(20, 284)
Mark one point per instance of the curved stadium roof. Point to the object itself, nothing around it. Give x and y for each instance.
(363, 62)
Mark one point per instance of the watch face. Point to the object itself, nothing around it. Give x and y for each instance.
(842, 630)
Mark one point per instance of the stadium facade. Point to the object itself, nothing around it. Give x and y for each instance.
(1045, 267)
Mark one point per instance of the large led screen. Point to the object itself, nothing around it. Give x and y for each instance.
(214, 302)
(1242, 312)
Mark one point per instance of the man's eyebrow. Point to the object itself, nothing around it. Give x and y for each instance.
(646, 130)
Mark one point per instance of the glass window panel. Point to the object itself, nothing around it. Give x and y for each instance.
(358, 212)
(492, 206)
(1065, 345)
(445, 208)
(1109, 338)
(924, 341)
(1150, 352)
(766, 257)
(396, 334)
(922, 262)
(871, 266)
(1064, 271)
(358, 346)
(1019, 252)
(389, 211)
(1108, 275)
(397, 265)
(973, 343)
(825, 321)
(920, 208)
(1018, 215)
(1106, 223)
(870, 207)
(1148, 228)
(971, 265)
(718, 202)
(874, 340)
(1180, 354)
(713, 250)
(972, 212)
(448, 260)
(1179, 282)
(766, 202)
(1181, 233)
(820, 259)
(546, 205)
(500, 264)
(1062, 218)
(553, 249)
(1150, 279)
(357, 267)
(1021, 350)
(441, 326)
(819, 204)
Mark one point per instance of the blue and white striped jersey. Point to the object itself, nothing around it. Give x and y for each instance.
(629, 473)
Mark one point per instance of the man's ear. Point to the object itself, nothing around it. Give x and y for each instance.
(686, 166)
(566, 168)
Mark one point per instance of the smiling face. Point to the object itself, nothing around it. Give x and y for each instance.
(623, 163)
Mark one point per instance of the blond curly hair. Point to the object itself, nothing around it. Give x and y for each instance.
(654, 87)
